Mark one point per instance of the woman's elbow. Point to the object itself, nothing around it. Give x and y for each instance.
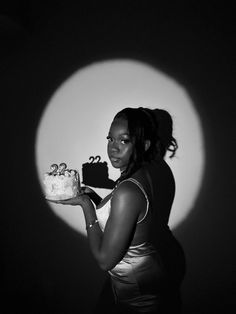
(104, 267)
(105, 264)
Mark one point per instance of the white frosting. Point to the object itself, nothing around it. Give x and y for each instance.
(61, 186)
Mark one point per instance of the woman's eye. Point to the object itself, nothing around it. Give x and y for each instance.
(125, 141)
(109, 138)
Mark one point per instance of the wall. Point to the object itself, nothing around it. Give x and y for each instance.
(47, 267)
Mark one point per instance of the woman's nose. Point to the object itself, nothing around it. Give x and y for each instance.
(114, 147)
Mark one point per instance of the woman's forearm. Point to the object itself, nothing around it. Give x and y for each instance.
(95, 198)
(94, 232)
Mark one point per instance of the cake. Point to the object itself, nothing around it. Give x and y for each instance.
(61, 183)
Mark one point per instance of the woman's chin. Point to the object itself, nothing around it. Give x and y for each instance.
(115, 165)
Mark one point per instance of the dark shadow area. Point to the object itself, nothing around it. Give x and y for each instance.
(95, 174)
(47, 267)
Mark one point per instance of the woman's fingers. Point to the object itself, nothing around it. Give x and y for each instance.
(71, 201)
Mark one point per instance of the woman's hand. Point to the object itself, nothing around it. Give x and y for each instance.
(92, 194)
(81, 199)
(86, 190)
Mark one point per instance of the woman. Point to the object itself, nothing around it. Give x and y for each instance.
(128, 231)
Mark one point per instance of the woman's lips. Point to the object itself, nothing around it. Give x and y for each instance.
(114, 159)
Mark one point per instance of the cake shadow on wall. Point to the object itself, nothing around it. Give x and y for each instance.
(95, 174)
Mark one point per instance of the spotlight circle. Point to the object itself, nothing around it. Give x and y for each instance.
(75, 123)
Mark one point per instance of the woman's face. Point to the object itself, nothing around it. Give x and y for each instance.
(119, 146)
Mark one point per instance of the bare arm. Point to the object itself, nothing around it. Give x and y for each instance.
(92, 194)
(110, 246)
(127, 203)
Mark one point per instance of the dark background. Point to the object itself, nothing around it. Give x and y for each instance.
(46, 266)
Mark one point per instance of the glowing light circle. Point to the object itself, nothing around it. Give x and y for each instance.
(77, 118)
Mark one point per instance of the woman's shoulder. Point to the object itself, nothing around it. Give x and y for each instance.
(128, 194)
(128, 189)
(135, 186)
(129, 185)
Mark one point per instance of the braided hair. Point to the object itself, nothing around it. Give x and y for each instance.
(145, 124)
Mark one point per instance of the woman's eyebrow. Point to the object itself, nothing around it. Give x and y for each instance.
(121, 134)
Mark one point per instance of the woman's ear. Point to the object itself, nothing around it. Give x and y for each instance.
(147, 145)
